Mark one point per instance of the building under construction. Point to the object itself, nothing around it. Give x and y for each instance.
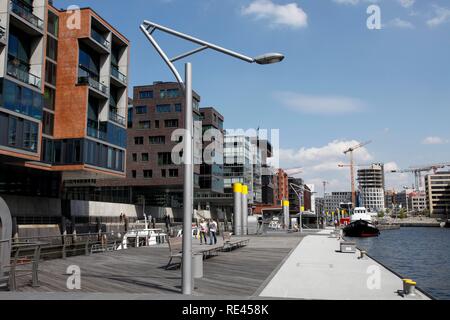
(371, 186)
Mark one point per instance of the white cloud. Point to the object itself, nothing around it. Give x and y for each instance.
(434, 141)
(349, 2)
(290, 14)
(325, 105)
(399, 23)
(407, 3)
(441, 16)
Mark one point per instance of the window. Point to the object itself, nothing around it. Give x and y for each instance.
(134, 157)
(52, 48)
(172, 123)
(48, 122)
(157, 140)
(178, 107)
(161, 108)
(139, 140)
(148, 174)
(146, 95)
(145, 157)
(89, 62)
(144, 125)
(49, 98)
(30, 135)
(164, 158)
(163, 173)
(50, 73)
(12, 131)
(173, 173)
(169, 93)
(141, 109)
(133, 174)
(157, 124)
(52, 25)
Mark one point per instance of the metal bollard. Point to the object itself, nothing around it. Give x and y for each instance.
(362, 254)
(409, 287)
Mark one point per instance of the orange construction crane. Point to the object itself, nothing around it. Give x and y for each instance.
(352, 168)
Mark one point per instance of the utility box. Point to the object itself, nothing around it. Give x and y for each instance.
(197, 266)
(348, 247)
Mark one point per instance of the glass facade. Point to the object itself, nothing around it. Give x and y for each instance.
(18, 133)
(20, 99)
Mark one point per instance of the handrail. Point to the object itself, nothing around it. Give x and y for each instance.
(21, 11)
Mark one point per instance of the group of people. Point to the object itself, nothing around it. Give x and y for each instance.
(208, 228)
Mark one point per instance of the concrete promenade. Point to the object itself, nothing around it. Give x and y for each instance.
(317, 270)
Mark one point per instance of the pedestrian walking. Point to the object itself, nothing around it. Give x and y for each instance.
(203, 231)
(212, 232)
(167, 221)
(260, 224)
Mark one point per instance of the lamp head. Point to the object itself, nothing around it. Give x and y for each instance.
(269, 58)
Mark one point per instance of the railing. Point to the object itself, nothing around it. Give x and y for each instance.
(2, 34)
(117, 118)
(24, 76)
(93, 84)
(25, 13)
(117, 74)
(100, 39)
(93, 130)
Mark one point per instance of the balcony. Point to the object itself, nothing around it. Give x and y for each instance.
(116, 74)
(91, 82)
(94, 130)
(100, 39)
(117, 118)
(20, 74)
(24, 12)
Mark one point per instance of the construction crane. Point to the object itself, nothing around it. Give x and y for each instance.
(418, 170)
(352, 169)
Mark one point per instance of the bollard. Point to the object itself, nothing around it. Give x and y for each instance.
(362, 254)
(237, 192)
(409, 287)
(286, 214)
(244, 210)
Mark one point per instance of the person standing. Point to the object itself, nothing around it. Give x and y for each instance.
(203, 231)
(167, 221)
(212, 232)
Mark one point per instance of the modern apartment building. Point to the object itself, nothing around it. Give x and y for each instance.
(437, 188)
(334, 201)
(63, 97)
(371, 187)
(211, 171)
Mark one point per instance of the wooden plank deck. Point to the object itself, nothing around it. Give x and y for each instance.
(141, 270)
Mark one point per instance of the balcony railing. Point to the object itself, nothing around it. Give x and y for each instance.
(93, 84)
(24, 76)
(117, 118)
(93, 130)
(22, 11)
(100, 39)
(117, 74)
(2, 34)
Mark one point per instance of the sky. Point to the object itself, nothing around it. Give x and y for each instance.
(341, 82)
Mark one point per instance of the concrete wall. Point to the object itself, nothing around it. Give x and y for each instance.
(103, 209)
(33, 206)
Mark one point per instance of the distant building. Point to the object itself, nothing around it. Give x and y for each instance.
(333, 201)
(417, 202)
(371, 187)
(437, 189)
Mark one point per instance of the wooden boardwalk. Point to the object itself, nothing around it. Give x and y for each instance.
(242, 272)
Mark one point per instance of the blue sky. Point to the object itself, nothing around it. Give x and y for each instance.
(340, 82)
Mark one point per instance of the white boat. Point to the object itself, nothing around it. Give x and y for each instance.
(361, 213)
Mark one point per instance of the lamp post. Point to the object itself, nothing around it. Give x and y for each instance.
(148, 28)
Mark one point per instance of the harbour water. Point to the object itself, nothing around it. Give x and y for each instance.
(421, 254)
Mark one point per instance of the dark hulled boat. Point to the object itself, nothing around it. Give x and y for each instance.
(361, 229)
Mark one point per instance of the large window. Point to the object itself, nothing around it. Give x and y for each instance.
(146, 95)
(164, 158)
(169, 93)
(49, 98)
(89, 63)
(48, 123)
(172, 123)
(141, 109)
(162, 108)
(144, 125)
(12, 131)
(52, 25)
(157, 140)
(30, 135)
(52, 48)
(50, 73)
(20, 99)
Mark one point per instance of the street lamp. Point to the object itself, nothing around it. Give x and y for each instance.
(148, 28)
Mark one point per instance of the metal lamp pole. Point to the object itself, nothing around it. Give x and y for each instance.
(148, 28)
